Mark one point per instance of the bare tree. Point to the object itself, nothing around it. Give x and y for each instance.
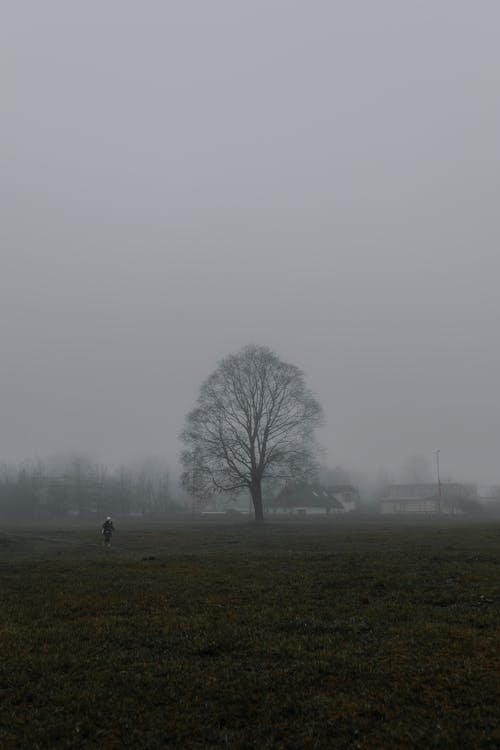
(253, 421)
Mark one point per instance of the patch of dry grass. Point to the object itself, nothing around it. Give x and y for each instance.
(340, 635)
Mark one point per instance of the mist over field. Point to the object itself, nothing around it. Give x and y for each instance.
(181, 179)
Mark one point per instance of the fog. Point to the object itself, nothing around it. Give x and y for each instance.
(181, 179)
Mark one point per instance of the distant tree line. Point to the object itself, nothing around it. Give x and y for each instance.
(81, 488)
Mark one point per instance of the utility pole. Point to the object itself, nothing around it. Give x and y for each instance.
(439, 480)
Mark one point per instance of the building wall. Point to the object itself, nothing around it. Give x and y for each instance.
(423, 505)
(302, 511)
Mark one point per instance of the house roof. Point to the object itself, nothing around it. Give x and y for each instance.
(309, 496)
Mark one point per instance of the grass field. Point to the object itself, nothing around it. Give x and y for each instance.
(345, 634)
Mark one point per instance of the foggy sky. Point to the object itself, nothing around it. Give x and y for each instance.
(179, 179)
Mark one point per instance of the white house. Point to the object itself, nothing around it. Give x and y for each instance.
(427, 498)
(314, 499)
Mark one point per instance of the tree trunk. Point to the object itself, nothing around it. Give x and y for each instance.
(256, 493)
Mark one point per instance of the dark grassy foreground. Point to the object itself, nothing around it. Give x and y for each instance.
(344, 635)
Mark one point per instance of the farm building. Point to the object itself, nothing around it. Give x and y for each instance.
(314, 499)
(427, 498)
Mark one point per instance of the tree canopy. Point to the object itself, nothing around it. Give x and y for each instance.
(253, 421)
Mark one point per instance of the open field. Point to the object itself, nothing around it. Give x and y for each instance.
(344, 634)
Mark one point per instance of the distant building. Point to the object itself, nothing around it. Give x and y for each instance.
(489, 500)
(314, 499)
(428, 498)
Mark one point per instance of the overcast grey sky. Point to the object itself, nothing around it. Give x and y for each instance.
(181, 178)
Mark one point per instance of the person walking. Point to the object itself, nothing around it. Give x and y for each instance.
(107, 531)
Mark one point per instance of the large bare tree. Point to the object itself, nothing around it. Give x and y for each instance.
(254, 421)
